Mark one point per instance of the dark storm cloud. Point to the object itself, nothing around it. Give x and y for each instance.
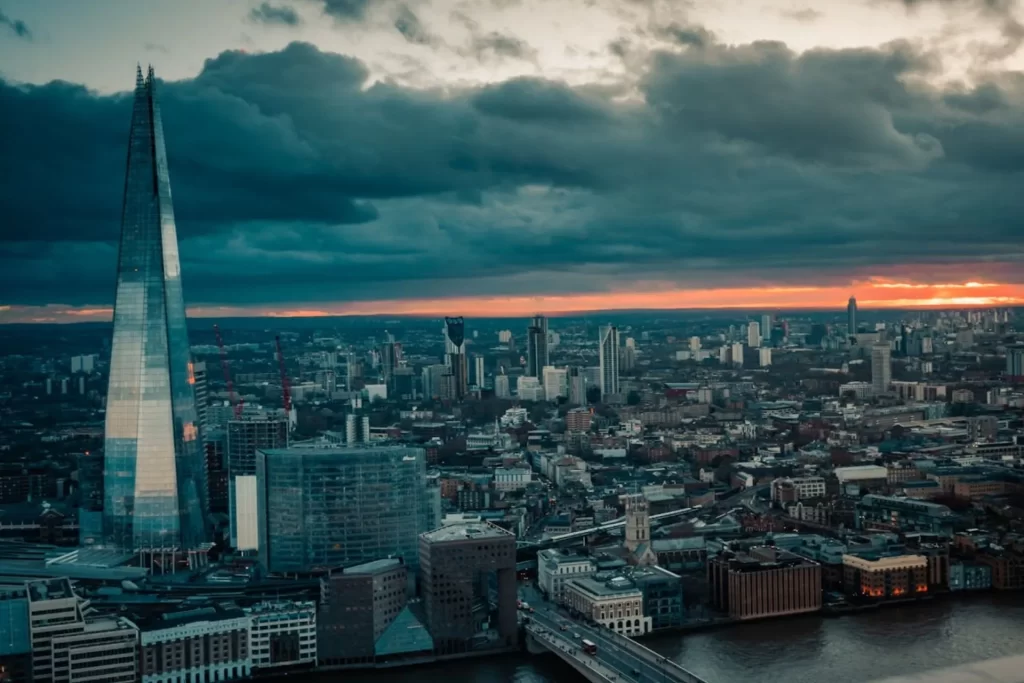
(19, 27)
(296, 180)
(412, 29)
(345, 10)
(501, 45)
(282, 15)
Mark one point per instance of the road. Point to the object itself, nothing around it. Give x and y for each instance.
(612, 651)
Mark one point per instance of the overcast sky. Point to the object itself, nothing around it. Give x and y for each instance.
(491, 156)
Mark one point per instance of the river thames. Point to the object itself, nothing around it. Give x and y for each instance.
(852, 649)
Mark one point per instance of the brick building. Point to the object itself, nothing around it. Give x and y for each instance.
(763, 582)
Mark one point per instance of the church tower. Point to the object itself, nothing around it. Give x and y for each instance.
(638, 522)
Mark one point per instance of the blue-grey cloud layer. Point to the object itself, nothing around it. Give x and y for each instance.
(294, 181)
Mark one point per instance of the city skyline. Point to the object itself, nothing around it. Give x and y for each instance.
(386, 157)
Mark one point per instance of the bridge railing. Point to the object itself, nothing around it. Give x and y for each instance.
(651, 656)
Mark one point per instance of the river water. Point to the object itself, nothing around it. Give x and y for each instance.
(851, 649)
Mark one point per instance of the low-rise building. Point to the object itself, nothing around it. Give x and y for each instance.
(888, 513)
(555, 568)
(615, 603)
(763, 582)
(663, 596)
(512, 478)
(209, 643)
(793, 489)
(886, 577)
(104, 651)
(282, 636)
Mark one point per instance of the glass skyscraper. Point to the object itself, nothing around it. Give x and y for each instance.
(154, 478)
(337, 507)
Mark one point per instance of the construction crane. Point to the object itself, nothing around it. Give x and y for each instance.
(286, 391)
(232, 399)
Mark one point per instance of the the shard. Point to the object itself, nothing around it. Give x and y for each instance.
(154, 475)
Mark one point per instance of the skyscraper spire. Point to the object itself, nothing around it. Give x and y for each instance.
(154, 469)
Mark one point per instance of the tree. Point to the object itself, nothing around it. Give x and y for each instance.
(594, 395)
(633, 398)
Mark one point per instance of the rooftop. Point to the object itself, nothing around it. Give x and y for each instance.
(464, 531)
(375, 566)
(617, 586)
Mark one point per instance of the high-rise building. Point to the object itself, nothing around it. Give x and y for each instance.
(455, 358)
(478, 371)
(627, 358)
(244, 438)
(155, 473)
(502, 388)
(765, 357)
(357, 429)
(736, 354)
(390, 355)
(537, 346)
(1015, 361)
(766, 327)
(555, 383)
(90, 499)
(321, 509)
(432, 377)
(530, 389)
(694, 344)
(505, 336)
(577, 386)
(851, 317)
(578, 420)
(881, 368)
(608, 357)
(461, 564)
(754, 335)
(202, 398)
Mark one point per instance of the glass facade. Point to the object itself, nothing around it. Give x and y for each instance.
(340, 507)
(154, 471)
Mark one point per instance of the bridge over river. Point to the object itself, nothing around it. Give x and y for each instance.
(618, 659)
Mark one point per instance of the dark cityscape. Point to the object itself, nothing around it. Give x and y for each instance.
(424, 425)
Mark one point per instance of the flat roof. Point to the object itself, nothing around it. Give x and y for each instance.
(374, 566)
(462, 531)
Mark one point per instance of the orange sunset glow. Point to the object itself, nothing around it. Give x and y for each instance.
(870, 294)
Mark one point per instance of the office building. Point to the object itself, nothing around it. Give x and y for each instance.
(662, 595)
(359, 604)
(208, 643)
(15, 638)
(851, 317)
(432, 377)
(504, 336)
(794, 489)
(104, 651)
(155, 474)
(556, 384)
(537, 347)
(468, 584)
(201, 389)
(763, 582)
(577, 382)
(881, 368)
(1015, 362)
(608, 353)
(754, 335)
(627, 358)
(69, 645)
(614, 603)
(321, 509)
(764, 357)
(766, 327)
(244, 438)
(90, 498)
(530, 389)
(556, 567)
(502, 389)
(282, 636)
(885, 577)
(390, 355)
(479, 374)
